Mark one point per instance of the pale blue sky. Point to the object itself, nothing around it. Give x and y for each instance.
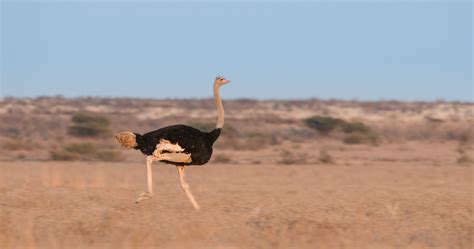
(367, 50)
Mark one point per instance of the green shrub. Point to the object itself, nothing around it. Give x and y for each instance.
(89, 125)
(323, 124)
(356, 132)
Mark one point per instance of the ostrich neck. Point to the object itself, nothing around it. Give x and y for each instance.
(220, 108)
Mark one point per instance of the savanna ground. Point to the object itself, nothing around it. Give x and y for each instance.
(391, 175)
(387, 204)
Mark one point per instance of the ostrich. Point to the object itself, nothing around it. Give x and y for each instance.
(179, 145)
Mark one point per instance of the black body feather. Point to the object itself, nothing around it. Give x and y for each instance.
(193, 141)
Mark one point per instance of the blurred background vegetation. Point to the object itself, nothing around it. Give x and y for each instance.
(285, 132)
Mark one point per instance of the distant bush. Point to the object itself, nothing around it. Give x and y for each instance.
(323, 124)
(356, 132)
(11, 132)
(84, 151)
(87, 117)
(89, 125)
(360, 138)
(352, 127)
(459, 134)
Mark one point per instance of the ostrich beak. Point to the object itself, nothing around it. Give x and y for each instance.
(227, 81)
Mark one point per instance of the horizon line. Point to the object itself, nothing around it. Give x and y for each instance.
(437, 100)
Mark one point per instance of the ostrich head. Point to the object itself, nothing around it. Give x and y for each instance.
(220, 81)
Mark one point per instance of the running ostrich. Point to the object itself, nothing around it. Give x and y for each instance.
(179, 145)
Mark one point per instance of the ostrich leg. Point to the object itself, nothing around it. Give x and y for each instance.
(149, 194)
(185, 186)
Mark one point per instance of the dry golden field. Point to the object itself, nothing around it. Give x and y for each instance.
(392, 204)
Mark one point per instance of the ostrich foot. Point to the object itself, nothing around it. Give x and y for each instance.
(143, 196)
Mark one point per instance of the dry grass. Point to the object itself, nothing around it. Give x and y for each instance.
(90, 205)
